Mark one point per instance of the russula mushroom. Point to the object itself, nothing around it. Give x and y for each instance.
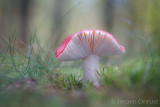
(88, 45)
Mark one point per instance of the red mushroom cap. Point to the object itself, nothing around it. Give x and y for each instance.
(86, 42)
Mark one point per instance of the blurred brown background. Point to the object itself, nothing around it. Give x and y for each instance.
(134, 23)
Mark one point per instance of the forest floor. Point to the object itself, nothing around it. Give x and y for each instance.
(34, 78)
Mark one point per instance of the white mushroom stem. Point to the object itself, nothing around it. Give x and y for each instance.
(90, 68)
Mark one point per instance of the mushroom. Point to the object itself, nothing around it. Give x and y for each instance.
(89, 45)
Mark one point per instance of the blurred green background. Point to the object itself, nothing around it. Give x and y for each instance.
(135, 24)
(31, 30)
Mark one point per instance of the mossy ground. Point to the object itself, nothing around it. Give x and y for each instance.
(34, 78)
